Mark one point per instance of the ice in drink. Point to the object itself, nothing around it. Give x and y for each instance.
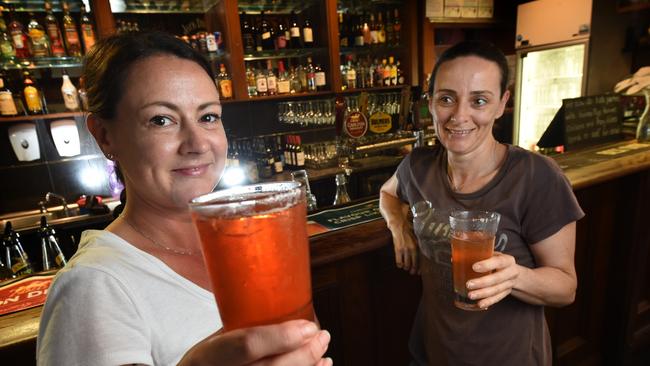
(257, 257)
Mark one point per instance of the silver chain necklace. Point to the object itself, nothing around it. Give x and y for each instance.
(175, 251)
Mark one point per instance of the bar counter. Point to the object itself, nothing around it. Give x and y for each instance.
(368, 304)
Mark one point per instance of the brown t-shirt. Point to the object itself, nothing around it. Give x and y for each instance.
(535, 201)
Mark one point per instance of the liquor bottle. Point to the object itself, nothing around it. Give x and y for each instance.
(358, 34)
(343, 35)
(393, 70)
(296, 86)
(247, 34)
(284, 83)
(400, 74)
(267, 34)
(15, 257)
(70, 94)
(308, 34)
(257, 33)
(381, 31)
(390, 33)
(321, 81)
(70, 35)
(211, 43)
(87, 30)
(288, 161)
(281, 36)
(250, 81)
(51, 253)
(378, 74)
(83, 96)
(18, 36)
(271, 79)
(397, 26)
(311, 75)
(351, 74)
(365, 30)
(341, 195)
(225, 83)
(374, 37)
(300, 154)
(203, 43)
(301, 73)
(6, 45)
(33, 101)
(294, 31)
(385, 77)
(37, 37)
(260, 82)
(53, 32)
(278, 164)
(7, 104)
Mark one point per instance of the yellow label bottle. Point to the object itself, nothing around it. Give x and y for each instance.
(33, 99)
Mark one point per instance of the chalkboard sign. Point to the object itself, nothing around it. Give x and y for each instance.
(592, 120)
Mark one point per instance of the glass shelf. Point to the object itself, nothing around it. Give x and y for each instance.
(356, 6)
(161, 6)
(286, 53)
(274, 6)
(42, 63)
(39, 5)
(372, 49)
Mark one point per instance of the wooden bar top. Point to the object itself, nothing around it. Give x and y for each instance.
(583, 168)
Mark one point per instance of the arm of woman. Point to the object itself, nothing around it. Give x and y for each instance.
(395, 212)
(296, 342)
(553, 282)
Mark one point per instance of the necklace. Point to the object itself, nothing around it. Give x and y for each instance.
(493, 167)
(175, 251)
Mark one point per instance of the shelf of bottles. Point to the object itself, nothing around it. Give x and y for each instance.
(46, 42)
(74, 6)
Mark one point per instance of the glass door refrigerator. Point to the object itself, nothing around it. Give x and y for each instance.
(546, 75)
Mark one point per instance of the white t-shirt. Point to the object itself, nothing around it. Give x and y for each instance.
(114, 304)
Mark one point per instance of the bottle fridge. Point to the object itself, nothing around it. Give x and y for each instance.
(545, 76)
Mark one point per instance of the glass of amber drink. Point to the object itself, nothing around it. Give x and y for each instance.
(472, 240)
(255, 246)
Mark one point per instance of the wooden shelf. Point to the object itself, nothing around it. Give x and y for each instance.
(375, 89)
(41, 117)
(282, 96)
(463, 22)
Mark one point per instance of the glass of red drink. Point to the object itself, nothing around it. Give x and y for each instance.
(254, 241)
(472, 240)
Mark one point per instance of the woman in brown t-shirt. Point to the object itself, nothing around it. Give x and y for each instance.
(471, 170)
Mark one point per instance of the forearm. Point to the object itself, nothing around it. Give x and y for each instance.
(394, 211)
(545, 286)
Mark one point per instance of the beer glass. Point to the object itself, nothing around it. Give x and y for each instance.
(472, 240)
(254, 241)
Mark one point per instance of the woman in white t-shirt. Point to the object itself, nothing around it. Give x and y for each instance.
(138, 292)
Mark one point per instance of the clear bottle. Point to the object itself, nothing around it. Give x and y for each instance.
(271, 79)
(211, 43)
(311, 75)
(51, 253)
(70, 94)
(7, 104)
(18, 36)
(251, 82)
(70, 34)
(6, 45)
(261, 83)
(302, 177)
(341, 195)
(15, 257)
(53, 32)
(393, 70)
(284, 83)
(225, 83)
(33, 100)
(351, 74)
(296, 86)
(87, 30)
(83, 96)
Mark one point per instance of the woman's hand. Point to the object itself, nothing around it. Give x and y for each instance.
(406, 249)
(296, 342)
(499, 283)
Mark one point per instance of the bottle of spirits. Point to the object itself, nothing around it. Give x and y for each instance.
(37, 37)
(294, 31)
(343, 35)
(267, 34)
(15, 257)
(389, 29)
(247, 35)
(358, 37)
(18, 36)
(393, 70)
(374, 37)
(284, 83)
(53, 32)
(33, 101)
(365, 30)
(211, 43)
(70, 34)
(385, 73)
(397, 26)
(225, 83)
(50, 250)
(381, 31)
(7, 104)
(250, 81)
(83, 96)
(300, 154)
(307, 34)
(341, 195)
(351, 74)
(87, 30)
(281, 36)
(271, 79)
(70, 94)
(321, 80)
(400, 74)
(260, 82)
(6, 45)
(296, 86)
(259, 45)
(311, 76)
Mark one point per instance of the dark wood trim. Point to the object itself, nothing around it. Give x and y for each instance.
(41, 117)
(333, 45)
(104, 19)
